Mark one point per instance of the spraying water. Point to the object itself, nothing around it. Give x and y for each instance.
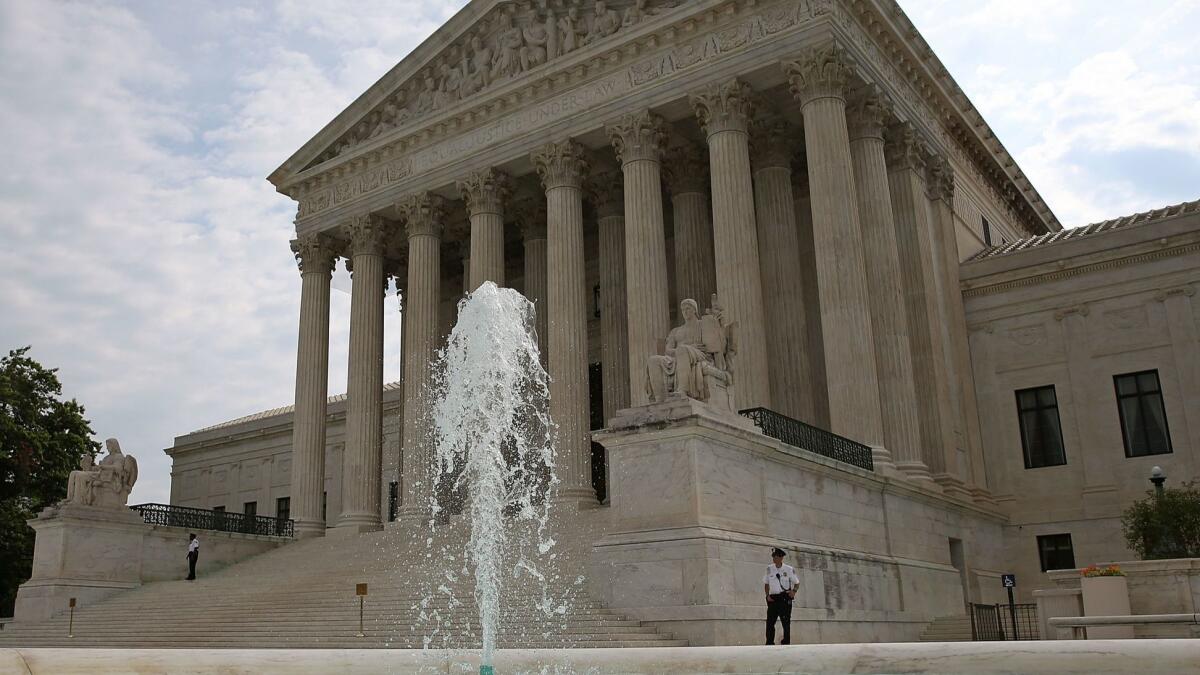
(493, 444)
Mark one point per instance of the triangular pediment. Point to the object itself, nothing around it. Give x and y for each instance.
(486, 45)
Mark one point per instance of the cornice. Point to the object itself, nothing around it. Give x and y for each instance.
(881, 30)
(982, 288)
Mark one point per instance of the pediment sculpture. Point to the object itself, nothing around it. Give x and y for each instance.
(106, 484)
(510, 40)
(698, 359)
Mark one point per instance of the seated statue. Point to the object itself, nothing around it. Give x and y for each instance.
(79, 483)
(698, 362)
(107, 484)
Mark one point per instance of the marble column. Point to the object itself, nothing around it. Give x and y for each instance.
(819, 80)
(906, 182)
(637, 140)
(816, 388)
(424, 215)
(316, 257)
(687, 179)
(724, 114)
(967, 473)
(771, 148)
(561, 167)
(485, 193)
(608, 198)
(531, 218)
(362, 461)
(893, 353)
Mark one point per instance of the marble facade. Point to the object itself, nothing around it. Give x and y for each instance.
(812, 164)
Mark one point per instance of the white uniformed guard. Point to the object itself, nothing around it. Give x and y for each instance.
(779, 585)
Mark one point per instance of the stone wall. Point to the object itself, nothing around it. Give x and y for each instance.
(698, 502)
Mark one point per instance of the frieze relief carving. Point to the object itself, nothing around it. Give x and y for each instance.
(1126, 318)
(513, 39)
(382, 167)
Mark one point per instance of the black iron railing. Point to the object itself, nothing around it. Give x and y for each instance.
(220, 521)
(1004, 622)
(801, 435)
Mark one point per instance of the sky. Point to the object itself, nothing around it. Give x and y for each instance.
(144, 255)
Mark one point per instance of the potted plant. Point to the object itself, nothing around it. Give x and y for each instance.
(1105, 593)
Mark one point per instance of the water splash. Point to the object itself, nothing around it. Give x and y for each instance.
(493, 450)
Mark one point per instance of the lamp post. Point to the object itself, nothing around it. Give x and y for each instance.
(1158, 478)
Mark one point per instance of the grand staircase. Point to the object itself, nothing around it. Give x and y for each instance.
(303, 595)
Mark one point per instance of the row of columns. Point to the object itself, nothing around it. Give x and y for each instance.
(864, 318)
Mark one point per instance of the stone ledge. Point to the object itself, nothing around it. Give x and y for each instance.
(1093, 657)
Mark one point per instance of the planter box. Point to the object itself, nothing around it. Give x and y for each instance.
(1106, 596)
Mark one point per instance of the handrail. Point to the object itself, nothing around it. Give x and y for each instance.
(1078, 625)
(814, 439)
(220, 521)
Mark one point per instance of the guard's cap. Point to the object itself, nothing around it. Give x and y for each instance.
(777, 552)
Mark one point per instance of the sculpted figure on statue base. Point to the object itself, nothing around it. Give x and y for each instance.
(107, 484)
(699, 358)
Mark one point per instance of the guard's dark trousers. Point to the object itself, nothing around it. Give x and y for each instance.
(779, 607)
(196, 554)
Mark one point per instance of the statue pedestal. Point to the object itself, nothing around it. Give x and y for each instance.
(82, 552)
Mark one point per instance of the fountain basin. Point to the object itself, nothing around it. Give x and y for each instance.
(1058, 657)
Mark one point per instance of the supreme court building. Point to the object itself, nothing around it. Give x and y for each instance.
(896, 281)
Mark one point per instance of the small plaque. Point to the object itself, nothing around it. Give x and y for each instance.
(1009, 580)
(360, 589)
(71, 602)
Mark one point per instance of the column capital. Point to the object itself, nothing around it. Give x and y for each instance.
(820, 72)
(868, 114)
(315, 253)
(530, 216)
(939, 179)
(606, 190)
(561, 164)
(367, 234)
(424, 214)
(686, 169)
(639, 136)
(724, 107)
(904, 149)
(485, 191)
(772, 141)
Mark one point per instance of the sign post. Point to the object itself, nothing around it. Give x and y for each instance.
(71, 621)
(1010, 582)
(361, 591)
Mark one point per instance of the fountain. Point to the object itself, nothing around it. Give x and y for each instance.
(493, 445)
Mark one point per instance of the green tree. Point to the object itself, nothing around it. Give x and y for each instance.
(1165, 526)
(42, 439)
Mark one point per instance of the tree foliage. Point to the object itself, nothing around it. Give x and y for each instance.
(42, 439)
(1165, 526)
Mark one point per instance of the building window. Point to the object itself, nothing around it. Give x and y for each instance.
(1143, 417)
(283, 508)
(1056, 552)
(1041, 432)
(987, 231)
(219, 509)
(393, 500)
(250, 509)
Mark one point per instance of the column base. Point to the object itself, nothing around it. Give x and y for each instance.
(953, 486)
(982, 496)
(881, 459)
(918, 473)
(306, 529)
(582, 499)
(358, 522)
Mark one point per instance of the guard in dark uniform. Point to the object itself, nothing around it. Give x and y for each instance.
(779, 585)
